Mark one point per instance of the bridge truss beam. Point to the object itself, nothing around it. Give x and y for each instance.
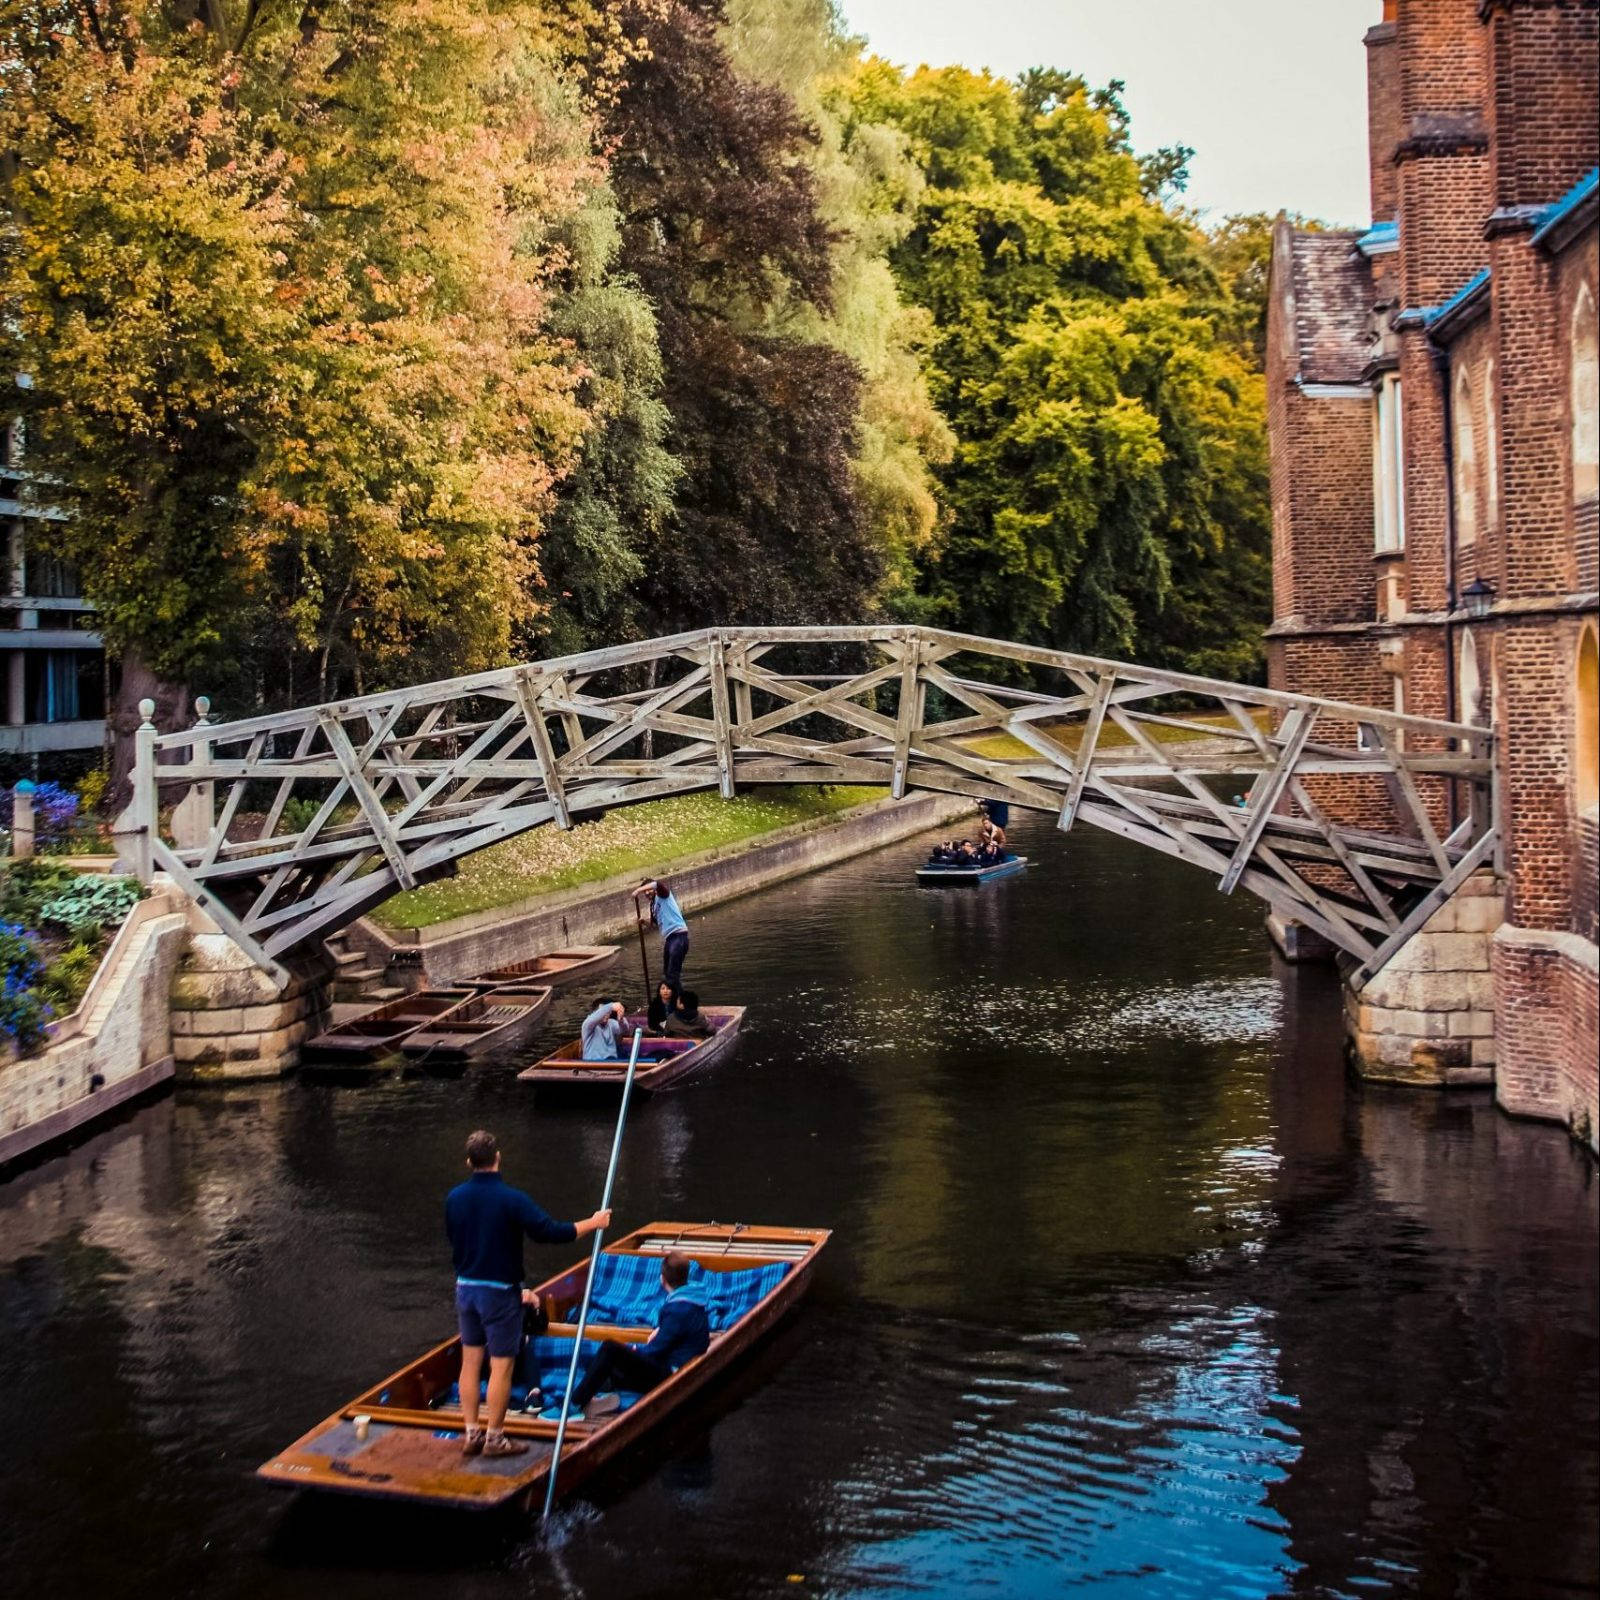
(327, 811)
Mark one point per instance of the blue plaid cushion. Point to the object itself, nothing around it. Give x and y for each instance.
(628, 1292)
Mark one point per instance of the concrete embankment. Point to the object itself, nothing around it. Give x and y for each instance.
(466, 945)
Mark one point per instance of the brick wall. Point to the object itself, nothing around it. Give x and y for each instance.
(1383, 117)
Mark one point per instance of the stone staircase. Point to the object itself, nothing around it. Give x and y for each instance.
(357, 978)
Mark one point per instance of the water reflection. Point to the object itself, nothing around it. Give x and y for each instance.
(1129, 1290)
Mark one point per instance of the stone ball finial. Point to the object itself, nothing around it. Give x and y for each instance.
(24, 787)
(147, 710)
(202, 706)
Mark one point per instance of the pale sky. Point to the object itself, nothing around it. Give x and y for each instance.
(1270, 93)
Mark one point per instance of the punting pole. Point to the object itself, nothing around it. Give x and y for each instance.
(644, 953)
(588, 1286)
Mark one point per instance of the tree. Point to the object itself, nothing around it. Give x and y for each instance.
(281, 277)
(724, 232)
(1108, 493)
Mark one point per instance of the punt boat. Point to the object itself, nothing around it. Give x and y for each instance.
(364, 1039)
(943, 873)
(661, 1061)
(492, 1019)
(401, 1439)
(557, 969)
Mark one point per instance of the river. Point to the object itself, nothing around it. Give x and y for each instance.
(1131, 1290)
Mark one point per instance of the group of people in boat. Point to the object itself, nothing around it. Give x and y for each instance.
(674, 1011)
(989, 851)
(486, 1221)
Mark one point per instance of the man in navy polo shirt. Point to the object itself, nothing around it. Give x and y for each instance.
(486, 1220)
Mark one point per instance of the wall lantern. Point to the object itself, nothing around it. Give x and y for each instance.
(1478, 598)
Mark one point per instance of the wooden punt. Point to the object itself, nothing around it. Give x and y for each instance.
(661, 1061)
(557, 969)
(942, 873)
(492, 1019)
(412, 1448)
(381, 1031)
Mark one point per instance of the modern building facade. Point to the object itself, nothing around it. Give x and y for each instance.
(52, 666)
(1435, 433)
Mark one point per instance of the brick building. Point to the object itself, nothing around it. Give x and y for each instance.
(1435, 443)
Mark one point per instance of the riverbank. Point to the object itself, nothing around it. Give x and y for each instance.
(441, 952)
(631, 839)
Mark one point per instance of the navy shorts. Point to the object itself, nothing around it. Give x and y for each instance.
(491, 1317)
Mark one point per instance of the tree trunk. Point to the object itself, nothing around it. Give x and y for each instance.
(138, 682)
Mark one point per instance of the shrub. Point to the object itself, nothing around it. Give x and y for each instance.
(24, 1011)
(91, 791)
(90, 904)
(67, 977)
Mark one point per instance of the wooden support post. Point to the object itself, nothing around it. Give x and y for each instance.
(135, 829)
(371, 808)
(1071, 800)
(721, 716)
(1267, 791)
(195, 815)
(906, 715)
(543, 750)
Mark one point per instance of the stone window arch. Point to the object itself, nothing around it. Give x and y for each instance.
(1474, 688)
(1464, 421)
(1584, 363)
(1586, 745)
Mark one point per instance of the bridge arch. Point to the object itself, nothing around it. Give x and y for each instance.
(289, 826)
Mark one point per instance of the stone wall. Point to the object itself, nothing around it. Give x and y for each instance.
(117, 1045)
(228, 1019)
(1429, 1017)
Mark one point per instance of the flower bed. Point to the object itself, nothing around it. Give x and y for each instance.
(55, 924)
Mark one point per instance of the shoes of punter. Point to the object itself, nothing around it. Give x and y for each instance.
(603, 1405)
(472, 1442)
(498, 1444)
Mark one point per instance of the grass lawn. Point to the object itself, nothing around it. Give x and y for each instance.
(633, 838)
(1069, 735)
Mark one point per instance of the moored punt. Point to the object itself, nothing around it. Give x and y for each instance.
(408, 1444)
(661, 1061)
(557, 969)
(491, 1019)
(380, 1032)
(942, 872)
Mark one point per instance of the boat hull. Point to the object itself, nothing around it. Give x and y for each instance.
(365, 1040)
(553, 970)
(565, 1070)
(458, 1035)
(968, 877)
(414, 1455)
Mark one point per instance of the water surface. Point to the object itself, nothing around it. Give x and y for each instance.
(1131, 1291)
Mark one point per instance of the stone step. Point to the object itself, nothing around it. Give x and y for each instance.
(385, 992)
(344, 959)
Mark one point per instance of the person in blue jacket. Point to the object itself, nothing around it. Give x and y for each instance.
(668, 917)
(683, 1332)
(486, 1220)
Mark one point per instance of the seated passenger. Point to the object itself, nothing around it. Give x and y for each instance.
(601, 1033)
(686, 1021)
(968, 855)
(661, 1006)
(683, 1332)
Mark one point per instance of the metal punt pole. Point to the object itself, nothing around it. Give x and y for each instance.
(588, 1286)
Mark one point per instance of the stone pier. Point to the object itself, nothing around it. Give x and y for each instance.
(1428, 1018)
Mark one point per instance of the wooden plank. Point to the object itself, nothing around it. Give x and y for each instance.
(1408, 788)
(721, 717)
(1265, 799)
(1086, 752)
(905, 717)
(1482, 852)
(377, 818)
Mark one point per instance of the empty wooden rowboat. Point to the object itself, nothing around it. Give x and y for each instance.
(492, 1019)
(401, 1440)
(383, 1030)
(950, 876)
(557, 969)
(662, 1061)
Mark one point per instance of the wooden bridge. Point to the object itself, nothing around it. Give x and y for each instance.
(1241, 782)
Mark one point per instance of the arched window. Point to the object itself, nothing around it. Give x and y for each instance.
(1586, 745)
(1474, 687)
(1585, 379)
(1491, 450)
(1464, 421)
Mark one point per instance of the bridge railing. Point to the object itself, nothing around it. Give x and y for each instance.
(287, 826)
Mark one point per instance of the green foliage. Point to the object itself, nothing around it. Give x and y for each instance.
(1108, 492)
(91, 790)
(90, 905)
(68, 975)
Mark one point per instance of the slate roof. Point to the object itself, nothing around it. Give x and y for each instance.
(1332, 306)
